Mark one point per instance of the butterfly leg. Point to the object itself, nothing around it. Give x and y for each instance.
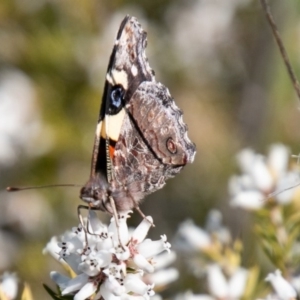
(143, 215)
(115, 215)
(85, 228)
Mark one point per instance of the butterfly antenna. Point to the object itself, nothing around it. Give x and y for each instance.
(17, 189)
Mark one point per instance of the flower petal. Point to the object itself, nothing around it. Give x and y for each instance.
(163, 277)
(75, 284)
(278, 159)
(86, 291)
(106, 293)
(114, 286)
(261, 175)
(245, 159)
(217, 284)
(281, 286)
(251, 200)
(141, 231)
(287, 186)
(237, 283)
(9, 285)
(240, 183)
(192, 236)
(121, 231)
(61, 280)
(133, 283)
(164, 259)
(52, 248)
(96, 225)
(73, 260)
(130, 297)
(149, 248)
(143, 263)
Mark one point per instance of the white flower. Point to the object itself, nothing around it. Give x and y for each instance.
(282, 288)
(191, 237)
(219, 286)
(222, 288)
(104, 267)
(263, 177)
(163, 275)
(9, 285)
(251, 200)
(278, 159)
(164, 259)
(52, 248)
(217, 283)
(214, 226)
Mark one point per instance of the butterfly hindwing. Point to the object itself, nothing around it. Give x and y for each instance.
(160, 123)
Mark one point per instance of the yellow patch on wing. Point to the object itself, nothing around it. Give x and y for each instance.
(112, 125)
(98, 129)
(119, 77)
(109, 79)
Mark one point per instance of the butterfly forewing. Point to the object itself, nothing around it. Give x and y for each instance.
(127, 64)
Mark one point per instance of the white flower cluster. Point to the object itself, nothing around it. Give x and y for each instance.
(191, 238)
(225, 279)
(105, 268)
(220, 287)
(264, 177)
(283, 290)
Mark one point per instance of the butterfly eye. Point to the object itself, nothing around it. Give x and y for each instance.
(116, 98)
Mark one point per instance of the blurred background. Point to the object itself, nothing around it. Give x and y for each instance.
(217, 58)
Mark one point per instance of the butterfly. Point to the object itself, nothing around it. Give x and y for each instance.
(141, 139)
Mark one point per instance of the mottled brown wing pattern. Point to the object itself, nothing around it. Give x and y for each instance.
(153, 144)
(160, 122)
(137, 171)
(129, 65)
(141, 140)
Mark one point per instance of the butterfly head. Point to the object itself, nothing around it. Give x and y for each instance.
(95, 194)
